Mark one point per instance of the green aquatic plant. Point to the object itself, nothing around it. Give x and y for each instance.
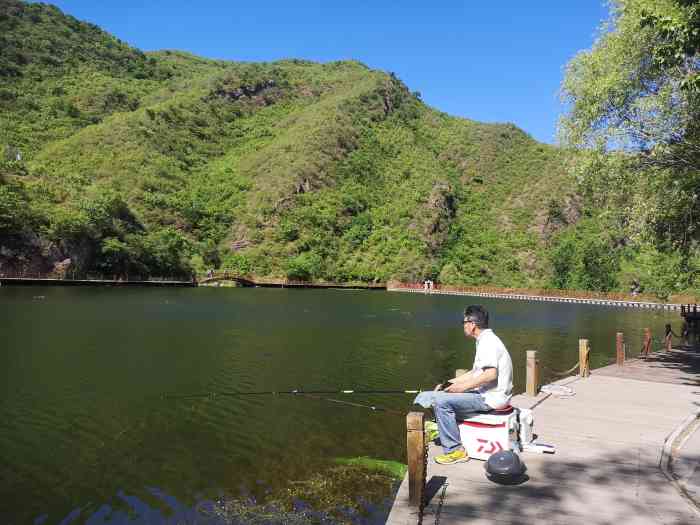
(357, 490)
(393, 468)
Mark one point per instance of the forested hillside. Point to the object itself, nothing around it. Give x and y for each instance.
(122, 163)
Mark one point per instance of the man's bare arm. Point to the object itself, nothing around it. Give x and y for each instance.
(470, 383)
(463, 378)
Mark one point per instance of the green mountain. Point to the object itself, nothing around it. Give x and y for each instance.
(119, 162)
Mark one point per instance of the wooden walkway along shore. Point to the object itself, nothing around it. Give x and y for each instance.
(217, 277)
(609, 437)
(544, 298)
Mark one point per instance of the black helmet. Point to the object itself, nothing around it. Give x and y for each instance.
(505, 467)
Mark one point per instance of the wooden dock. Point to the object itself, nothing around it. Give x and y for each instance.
(612, 438)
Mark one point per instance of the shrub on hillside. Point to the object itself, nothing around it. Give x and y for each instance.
(585, 258)
(304, 267)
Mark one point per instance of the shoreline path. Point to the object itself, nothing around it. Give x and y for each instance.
(627, 451)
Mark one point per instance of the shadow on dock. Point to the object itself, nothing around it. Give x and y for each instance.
(610, 488)
(680, 366)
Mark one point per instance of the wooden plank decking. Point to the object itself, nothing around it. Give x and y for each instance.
(609, 439)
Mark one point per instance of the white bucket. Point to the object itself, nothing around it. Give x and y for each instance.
(527, 426)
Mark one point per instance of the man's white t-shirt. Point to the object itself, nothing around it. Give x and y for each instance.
(492, 353)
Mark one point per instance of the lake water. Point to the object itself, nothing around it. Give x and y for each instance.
(83, 420)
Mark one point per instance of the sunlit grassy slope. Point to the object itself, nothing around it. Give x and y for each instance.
(161, 163)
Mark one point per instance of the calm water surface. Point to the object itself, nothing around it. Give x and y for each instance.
(83, 422)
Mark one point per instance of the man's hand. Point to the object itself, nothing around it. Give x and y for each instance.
(454, 388)
(451, 388)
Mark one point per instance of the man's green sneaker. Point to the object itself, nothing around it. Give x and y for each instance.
(431, 430)
(456, 456)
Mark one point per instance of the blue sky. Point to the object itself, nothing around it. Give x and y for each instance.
(485, 60)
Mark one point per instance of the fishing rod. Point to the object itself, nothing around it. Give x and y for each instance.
(299, 391)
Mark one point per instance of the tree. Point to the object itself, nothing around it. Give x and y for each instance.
(12, 210)
(634, 117)
(638, 89)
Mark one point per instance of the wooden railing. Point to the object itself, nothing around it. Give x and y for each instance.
(689, 310)
(543, 292)
(255, 280)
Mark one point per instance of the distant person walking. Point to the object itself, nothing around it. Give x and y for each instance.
(668, 337)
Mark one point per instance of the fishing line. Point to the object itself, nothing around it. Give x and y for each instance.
(359, 405)
(311, 394)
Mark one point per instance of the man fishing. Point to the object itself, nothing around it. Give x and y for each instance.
(487, 386)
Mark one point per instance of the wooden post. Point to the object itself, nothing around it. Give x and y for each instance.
(415, 443)
(584, 365)
(620, 348)
(646, 346)
(532, 380)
